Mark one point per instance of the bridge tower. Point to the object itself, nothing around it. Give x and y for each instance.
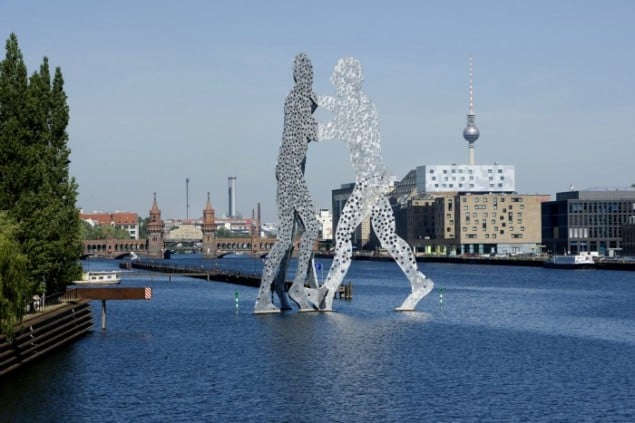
(155, 231)
(209, 230)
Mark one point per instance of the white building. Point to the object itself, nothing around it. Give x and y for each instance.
(325, 217)
(466, 178)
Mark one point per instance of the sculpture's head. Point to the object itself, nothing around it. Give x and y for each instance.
(302, 70)
(347, 75)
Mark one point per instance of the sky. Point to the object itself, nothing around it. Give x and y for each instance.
(163, 91)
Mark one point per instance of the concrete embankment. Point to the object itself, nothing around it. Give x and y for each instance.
(42, 332)
(506, 261)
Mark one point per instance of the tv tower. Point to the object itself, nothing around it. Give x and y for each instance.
(471, 132)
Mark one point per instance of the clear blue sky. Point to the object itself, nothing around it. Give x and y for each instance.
(161, 91)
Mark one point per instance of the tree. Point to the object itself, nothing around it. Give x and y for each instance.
(35, 188)
(13, 95)
(143, 227)
(14, 287)
(102, 232)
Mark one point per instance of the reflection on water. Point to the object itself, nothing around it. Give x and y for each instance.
(505, 344)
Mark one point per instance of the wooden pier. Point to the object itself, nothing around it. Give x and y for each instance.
(103, 294)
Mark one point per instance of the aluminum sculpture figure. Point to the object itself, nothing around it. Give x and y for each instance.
(355, 122)
(295, 207)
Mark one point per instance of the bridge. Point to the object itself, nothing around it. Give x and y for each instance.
(120, 248)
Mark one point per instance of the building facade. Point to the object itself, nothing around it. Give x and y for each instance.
(121, 220)
(628, 238)
(466, 178)
(587, 221)
(325, 218)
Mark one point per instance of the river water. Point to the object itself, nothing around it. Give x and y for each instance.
(490, 343)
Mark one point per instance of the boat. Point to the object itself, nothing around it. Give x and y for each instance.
(583, 260)
(99, 278)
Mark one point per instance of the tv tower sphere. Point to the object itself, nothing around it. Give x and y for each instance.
(471, 133)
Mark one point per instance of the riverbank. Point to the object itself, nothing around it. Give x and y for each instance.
(526, 261)
(42, 332)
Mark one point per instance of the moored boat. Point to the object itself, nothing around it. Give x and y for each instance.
(583, 260)
(99, 278)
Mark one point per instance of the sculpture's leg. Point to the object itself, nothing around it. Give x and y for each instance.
(308, 299)
(383, 222)
(281, 278)
(356, 208)
(271, 270)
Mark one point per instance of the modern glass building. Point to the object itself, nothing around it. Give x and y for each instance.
(587, 221)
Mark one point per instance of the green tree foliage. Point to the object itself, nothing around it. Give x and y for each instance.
(14, 287)
(35, 187)
(143, 227)
(103, 232)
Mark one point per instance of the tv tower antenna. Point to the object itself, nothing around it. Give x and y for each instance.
(471, 132)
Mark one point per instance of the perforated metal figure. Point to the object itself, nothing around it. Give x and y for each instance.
(355, 122)
(295, 207)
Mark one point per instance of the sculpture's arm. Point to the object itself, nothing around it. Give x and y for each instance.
(326, 131)
(326, 102)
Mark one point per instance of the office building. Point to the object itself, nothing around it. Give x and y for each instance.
(591, 220)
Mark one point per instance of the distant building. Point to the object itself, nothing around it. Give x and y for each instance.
(588, 221)
(121, 220)
(628, 238)
(467, 208)
(466, 178)
(236, 225)
(325, 218)
(362, 235)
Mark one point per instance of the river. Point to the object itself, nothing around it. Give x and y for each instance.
(490, 343)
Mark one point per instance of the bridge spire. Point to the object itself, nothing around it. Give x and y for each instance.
(155, 231)
(209, 230)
